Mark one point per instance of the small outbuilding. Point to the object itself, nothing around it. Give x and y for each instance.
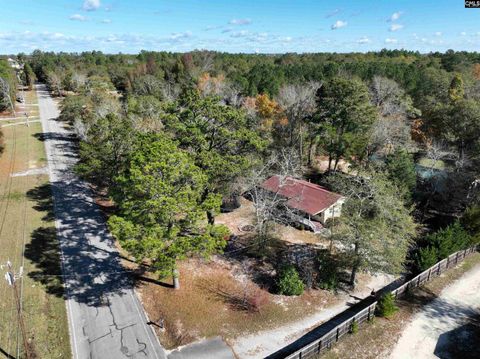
(313, 203)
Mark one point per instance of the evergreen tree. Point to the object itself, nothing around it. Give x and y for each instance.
(161, 206)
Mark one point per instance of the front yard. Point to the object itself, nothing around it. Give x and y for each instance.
(233, 294)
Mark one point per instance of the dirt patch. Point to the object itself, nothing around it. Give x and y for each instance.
(321, 164)
(216, 298)
(244, 217)
(31, 172)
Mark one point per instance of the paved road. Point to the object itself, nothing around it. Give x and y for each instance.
(106, 319)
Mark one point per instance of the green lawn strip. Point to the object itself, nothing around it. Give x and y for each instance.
(44, 305)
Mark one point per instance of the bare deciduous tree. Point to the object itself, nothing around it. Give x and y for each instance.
(54, 80)
(387, 96)
(78, 80)
(298, 103)
(271, 207)
(391, 129)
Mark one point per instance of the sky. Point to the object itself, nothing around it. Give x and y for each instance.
(249, 26)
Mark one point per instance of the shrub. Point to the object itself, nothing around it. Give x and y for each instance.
(354, 328)
(256, 299)
(426, 258)
(386, 306)
(328, 277)
(471, 222)
(450, 239)
(289, 282)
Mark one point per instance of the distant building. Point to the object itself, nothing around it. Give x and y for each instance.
(14, 63)
(313, 203)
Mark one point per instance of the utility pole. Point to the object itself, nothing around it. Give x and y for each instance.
(12, 278)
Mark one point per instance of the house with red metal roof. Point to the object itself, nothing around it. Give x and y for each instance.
(313, 203)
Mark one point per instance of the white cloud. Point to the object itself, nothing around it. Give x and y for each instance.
(463, 33)
(240, 22)
(438, 33)
(364, 40)
(180, 35)
(91, 5)
(224, 31)
(106, 21)
(339, 24)
(395, 27)
(333, 13)
(78, 17)
(395, 16)
(389, 40)
(212, 27)
(242, 33)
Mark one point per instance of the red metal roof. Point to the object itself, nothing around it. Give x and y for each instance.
(302, 195)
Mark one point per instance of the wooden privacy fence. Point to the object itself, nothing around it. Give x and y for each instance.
(325, 342)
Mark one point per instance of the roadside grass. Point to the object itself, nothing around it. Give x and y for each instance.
(27, 238)
(32, 111)
(377, 339)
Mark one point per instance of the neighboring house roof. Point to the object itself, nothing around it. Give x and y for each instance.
(302, 195)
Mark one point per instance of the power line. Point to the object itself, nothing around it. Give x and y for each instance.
(12, 278)
(123, 271)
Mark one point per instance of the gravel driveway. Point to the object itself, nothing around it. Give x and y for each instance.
(429, 333)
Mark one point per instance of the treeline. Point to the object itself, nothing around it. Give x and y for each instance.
(174, 137)
(7, 92)
(8, 86)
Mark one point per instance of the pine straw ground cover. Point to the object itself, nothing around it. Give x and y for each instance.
(215, 298)
(224, 296)
(377, 339)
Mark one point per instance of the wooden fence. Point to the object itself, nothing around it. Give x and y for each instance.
(318, 346)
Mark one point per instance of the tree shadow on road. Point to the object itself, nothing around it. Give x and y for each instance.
(92, 265)
(461, 342)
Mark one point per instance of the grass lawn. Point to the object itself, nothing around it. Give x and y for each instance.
(27, 238)
(428, 163)
(377, 339)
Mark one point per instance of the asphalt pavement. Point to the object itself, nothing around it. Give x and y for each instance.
(106, 319)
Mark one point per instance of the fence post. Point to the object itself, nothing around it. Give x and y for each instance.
(338, 333)
(370, 310)
(448, 262)
(418, 280)
(429, 274)
(319, 346)
(438, 268)
(300, 355)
